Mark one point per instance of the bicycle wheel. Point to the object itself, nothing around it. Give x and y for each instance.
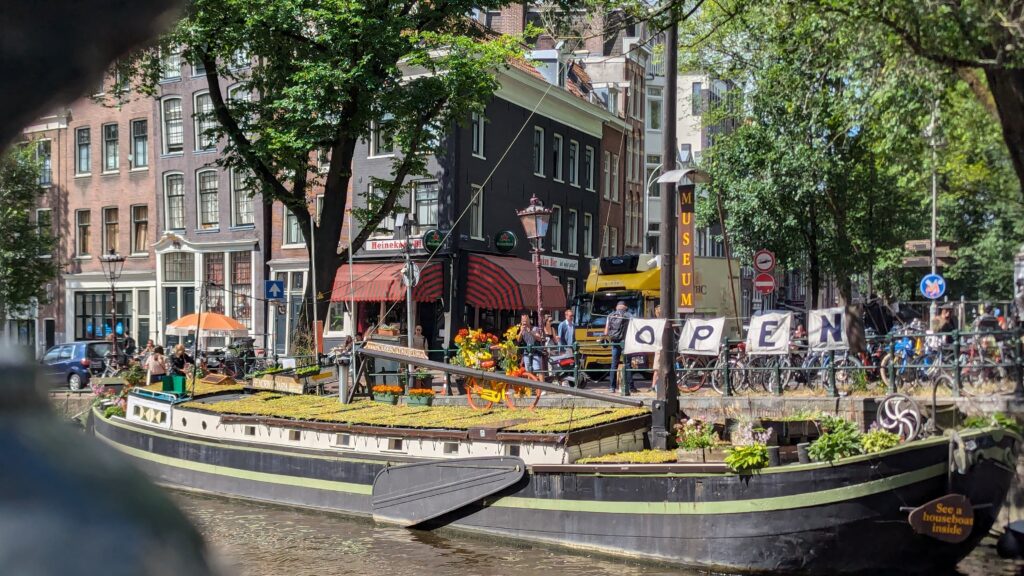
(984, 376)
(476, 393)
(523, 396)
(737, 376)
(849, 372)
(692, 375)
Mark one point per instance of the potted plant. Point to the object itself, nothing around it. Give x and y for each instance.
(420, 397)
(693, 439)
(749, 452)
(386, 394)
(423, 378)
(387, 330)
(840, 438)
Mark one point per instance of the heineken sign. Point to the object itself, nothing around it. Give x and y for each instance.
(505, 241)
(432, 239)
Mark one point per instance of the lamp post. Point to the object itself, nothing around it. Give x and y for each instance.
(113, 264)
(535, 218)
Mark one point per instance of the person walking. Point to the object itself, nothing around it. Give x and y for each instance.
(529, 337)
(566, 334)
(615, 333)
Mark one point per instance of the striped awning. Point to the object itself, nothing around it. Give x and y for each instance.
(382, 282)
(508, 283)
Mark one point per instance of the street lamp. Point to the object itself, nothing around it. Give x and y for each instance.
(113, 264)
(535, 219)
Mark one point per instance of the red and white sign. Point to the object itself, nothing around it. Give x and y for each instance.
(764, 283)
(559, 263)
(764, 261)
(379, 245)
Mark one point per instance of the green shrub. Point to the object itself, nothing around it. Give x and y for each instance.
(747, 458)
(134, 375)
(997, 420)
(840, 438)
(878, 440)
(115, 410)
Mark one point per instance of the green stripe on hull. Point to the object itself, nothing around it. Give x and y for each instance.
(298, 481)
(819, 498)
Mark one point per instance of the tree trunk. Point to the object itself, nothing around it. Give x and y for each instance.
(813, 256)
(1007, 88)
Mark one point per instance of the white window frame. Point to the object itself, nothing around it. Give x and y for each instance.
(163, 126)
(133, 236)
(606, 173)
(284, 232)
(479, 131)
(49, 217)
(628, 220)
(106, 148)
(555, 228)
(613, 242)
(45, 163)
(170, 61)
(421, 225)
(103, 234)
(319, 208)
(556, 151)
(235, 194)
(133, 161)
(538, 151)
(78, 151)
(573, 230)
(574, 163)
(78, 234)
(604, 240)
(655, 94)
(588, 235)
(615, 178)
(374, 143)
(590, 157)
(476, 213)
(199, 125)
(388, 223)
(167, 201)
(201, 224)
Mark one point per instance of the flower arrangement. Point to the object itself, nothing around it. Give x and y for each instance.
(474, 349)
(696, 435)
(421, 392)
(386, 389)
(509, 349)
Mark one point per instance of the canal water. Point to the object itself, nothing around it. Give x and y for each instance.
(251, 539)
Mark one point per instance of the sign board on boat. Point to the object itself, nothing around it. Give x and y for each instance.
(392, 349)
(949, 518)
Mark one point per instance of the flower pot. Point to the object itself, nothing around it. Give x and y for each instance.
(690, 455)
(424, 381)
(385, 398)
(419, 400)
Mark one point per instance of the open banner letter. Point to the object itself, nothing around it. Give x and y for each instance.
(644, 336)
(769, 334)
(702, 337)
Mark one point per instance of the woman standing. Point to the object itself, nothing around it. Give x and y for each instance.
(180, 360)
(156, 365)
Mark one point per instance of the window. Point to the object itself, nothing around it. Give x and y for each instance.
(174, 191)
(140, 229)
(204, 122)
(478, 135)
(538, 151)
(241, 201)
(140, 144)
(556, 228)
(213, 277)
(604, 240)
(292, 233)
(241, 286)
(109, 230)
(381, 141)
(174, 133)
(607, 192)
(425, 197)
(697, 98)
(615, 178)
(556, 153)
(84, 150)
(44, 224)
(44, 157)
(323, 161)
(170, 64)
(613, 241)
(588, 168)
(179, 267)
(654, 108)
(629, 157)
(574, 163)
(240, 59)
(571, 227)
(82, 220)
(628, 220)
(319, 207)
(198, 69)
(207, 195)
(476, 213)
(386, 228)
(110, 155)
(588, 235)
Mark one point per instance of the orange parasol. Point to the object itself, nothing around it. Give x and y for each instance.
(212, 324)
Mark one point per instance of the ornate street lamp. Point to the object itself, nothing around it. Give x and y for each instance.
(535, 219)
(113, 264)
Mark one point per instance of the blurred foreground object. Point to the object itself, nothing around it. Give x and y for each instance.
(69, 505)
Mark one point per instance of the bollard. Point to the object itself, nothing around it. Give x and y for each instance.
(726, 377)
(576, 364)
(342, 367)
(778, 378)
(956, 363)
(892, 363)
(832, 391)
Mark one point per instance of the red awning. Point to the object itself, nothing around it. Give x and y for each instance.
(508, 283)
(382, 282)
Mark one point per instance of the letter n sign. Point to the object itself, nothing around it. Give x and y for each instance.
(826, 330)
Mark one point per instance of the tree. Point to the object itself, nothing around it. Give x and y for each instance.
(325, 74)
(23, 271)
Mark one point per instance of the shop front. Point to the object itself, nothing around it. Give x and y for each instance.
(90, 316)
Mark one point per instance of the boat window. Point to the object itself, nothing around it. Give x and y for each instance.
(395, 444)
(343, 440)
(161, 417)
(184, 422)
(451, 447)
(136, 410)
(204, 424)
(512, 450)
(294, 435)
(249, 431)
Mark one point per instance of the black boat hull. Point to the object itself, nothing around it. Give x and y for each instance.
(849, 518)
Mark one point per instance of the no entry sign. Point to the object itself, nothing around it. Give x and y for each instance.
(764, 283)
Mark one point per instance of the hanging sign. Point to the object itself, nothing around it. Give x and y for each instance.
(644, 336)
(933, 286)
(769, 334)
(827, 330)
(505, 241)
(949, 518)
(686, 255)
(702, 337)
(432, 239)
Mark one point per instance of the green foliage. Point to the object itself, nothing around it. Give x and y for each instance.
(840, 438)
(134, 375)
(266, 372)
(308, 371)
(996, 420)
(802, 415)
(878, 440)
(695, 435)
(114, 410)
(637, 457)
(23, 274)
(747, 458)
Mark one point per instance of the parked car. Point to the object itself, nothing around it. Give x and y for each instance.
(74, 363)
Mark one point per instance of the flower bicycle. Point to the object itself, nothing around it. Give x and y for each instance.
(482, 394)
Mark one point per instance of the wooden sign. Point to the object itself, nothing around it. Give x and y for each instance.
(398, 350)
(949, 519)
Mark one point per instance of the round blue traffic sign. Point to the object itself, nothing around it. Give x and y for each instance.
(933, 286)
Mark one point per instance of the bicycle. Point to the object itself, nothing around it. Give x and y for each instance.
(482, 394)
